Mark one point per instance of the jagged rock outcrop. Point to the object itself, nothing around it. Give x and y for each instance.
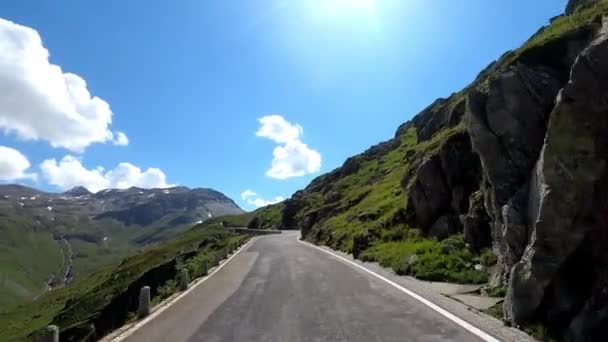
(573, 5)
(507, 127)
(567, 208)
(476, 223)
(442, 187)
(441, 114)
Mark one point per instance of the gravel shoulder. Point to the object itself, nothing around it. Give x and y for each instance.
(432, 292)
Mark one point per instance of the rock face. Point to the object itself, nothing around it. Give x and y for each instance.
(507, 127)
(444, 182)
(441, 114)
(567, 207)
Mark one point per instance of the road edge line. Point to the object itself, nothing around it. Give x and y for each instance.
(459, 321)
(164, 306)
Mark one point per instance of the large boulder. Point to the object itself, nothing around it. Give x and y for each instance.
(442, 186)
(444, 227)
(430, 194)
(476, 223)
(462, 170)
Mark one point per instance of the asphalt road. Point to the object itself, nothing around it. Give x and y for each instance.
(281, 290)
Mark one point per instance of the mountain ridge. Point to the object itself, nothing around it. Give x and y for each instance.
(49, 239)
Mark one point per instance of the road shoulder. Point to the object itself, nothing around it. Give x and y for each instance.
(477, 319)
(126, 331)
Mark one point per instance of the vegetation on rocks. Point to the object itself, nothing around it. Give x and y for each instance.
(428, 259)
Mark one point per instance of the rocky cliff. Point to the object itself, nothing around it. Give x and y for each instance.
(515, 163)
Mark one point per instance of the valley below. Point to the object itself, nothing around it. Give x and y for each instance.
(48, 239)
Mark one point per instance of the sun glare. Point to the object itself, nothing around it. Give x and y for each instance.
(366, 6)
(341, 6)
(345, 11)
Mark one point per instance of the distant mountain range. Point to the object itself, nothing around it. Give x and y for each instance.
(47, 239)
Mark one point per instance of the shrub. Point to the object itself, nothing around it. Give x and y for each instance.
(488, 258)
(448, 260)
(498, 291)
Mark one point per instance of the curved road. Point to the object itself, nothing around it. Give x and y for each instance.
(278, 289)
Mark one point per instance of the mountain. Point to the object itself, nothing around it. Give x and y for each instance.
(78, 191)
(48, 239)
(503, 183)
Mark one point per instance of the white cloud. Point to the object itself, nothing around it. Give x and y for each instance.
(248, 194)
(256, 201)
(292, 158)
(276, 128)
(260, 202)
(38, 101)
(13, 165)
(69, 172)
(121, 139)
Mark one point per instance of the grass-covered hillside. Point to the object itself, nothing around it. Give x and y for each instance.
(107, 298)
(362, 208)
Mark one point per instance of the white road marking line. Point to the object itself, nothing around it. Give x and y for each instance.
(167, 305)
(464, 324)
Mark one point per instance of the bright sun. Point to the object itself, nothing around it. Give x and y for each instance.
(341, 6)
(360, 14)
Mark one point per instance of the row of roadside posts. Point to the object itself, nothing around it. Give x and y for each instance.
(51, 333)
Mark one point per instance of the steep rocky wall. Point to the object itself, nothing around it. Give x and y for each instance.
(567, 208)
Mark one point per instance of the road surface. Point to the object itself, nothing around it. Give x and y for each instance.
(279, 289)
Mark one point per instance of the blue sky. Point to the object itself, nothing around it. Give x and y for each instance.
(187, 82)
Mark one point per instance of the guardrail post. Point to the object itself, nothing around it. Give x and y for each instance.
(184, 280)
(204, 268)
(51, 334)
(143, 310)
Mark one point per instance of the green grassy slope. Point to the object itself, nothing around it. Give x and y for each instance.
(31, 252)
(106, 296)
(27, 258)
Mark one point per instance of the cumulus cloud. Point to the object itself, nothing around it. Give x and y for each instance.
(254, 200)
(13, 165)
(39, 101)
(276, 128)
(69, 172)
(247, 194)
(292, 158)
(121, 139)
